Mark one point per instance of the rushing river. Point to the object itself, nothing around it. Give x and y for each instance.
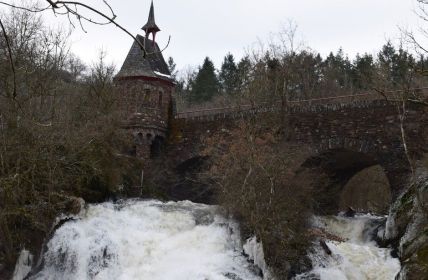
(358, 258)
(187, 241)
(147, 240)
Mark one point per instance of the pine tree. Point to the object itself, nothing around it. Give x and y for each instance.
(243, 73)
(338, 68)
(363, 71)
(395, 66)
(172, 67)
(206, 84)
(229, 74)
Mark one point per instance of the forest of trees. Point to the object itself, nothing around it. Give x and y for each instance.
(300, 75)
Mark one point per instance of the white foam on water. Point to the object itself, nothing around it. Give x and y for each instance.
(152, 240)
(358, 258)
(147, 240)
(23, 265)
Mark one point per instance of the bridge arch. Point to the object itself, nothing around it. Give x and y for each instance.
(341, 164)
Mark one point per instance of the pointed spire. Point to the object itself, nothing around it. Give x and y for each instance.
(150, 26)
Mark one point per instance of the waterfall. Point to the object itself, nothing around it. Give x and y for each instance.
(147, 240)
(358, 257)
(135, 239)
(23, 265)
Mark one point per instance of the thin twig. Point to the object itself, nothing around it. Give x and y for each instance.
(34, 10)
(58, 5)
(111, 10)
(110, 19)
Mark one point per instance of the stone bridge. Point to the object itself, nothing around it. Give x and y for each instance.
(346, 134)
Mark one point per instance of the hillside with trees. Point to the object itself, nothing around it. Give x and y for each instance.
(63, 142)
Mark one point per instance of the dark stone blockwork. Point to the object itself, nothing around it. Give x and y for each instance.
(344, 139)
(146, 91)
(346, 135)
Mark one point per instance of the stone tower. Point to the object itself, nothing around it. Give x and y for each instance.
(146, 91)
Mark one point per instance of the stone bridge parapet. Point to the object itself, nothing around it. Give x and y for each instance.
(368, 126)
(327, 104)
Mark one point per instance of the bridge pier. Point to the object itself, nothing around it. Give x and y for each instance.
(398, 172)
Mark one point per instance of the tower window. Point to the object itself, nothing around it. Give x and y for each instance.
(140, 138)
(146, 96)
(160, 99)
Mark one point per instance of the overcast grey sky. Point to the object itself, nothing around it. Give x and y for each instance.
(200, 28)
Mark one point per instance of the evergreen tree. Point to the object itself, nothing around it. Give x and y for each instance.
(307, 72)
(206, 84)
(422, 65)
(172, 67)
(396, 67)
(386, 56)
(243, 73)
(338, 68)
(403, 69)
(229, 74)
(363, 71)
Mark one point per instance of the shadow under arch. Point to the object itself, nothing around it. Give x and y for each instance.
(337, 167)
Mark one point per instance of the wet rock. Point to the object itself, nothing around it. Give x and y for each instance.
(60, 223)
(310, 276)
(299, 267)
(395, 253)
(407, 230)
(232, 276)
(375, 230)
(204, 218)
(325, 247)
(350, 212)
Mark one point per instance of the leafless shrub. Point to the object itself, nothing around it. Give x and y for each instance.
(256, 182)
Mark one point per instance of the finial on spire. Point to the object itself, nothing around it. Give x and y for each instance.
(150, 26)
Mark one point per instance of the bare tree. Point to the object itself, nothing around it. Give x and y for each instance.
(75, 12)
(410, 35)
(59, 135)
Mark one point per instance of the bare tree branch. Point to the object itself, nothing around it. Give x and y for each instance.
(31, 10)
(52, 4)
(412, 39)
(70, 8)
(65, 4)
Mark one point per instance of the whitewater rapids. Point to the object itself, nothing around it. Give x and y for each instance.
(357, 258)
(147, 240)
(133, 240)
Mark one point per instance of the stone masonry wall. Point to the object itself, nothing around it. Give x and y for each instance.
(146, 108)
(371, 128)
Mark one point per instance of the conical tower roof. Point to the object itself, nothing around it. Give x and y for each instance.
(152, 65)
(150, 26)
